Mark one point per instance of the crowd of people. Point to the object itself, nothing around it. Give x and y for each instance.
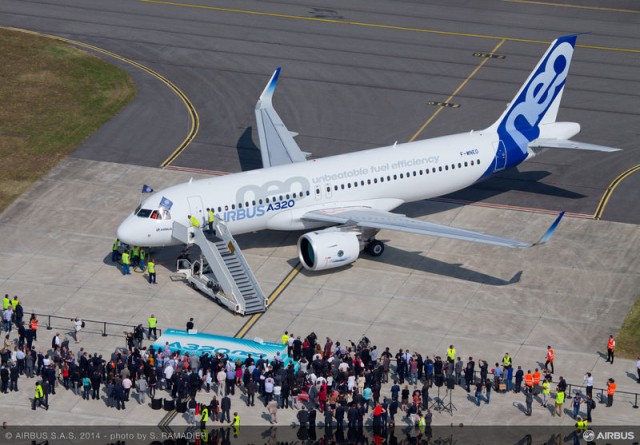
(346, 384)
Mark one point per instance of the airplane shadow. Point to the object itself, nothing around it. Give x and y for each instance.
(248, 152)
(417, 261)
(513, 179)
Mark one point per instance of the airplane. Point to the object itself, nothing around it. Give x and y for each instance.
(345, 200)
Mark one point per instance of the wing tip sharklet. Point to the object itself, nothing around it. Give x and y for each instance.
(547, 235)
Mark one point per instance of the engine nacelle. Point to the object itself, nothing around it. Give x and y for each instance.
(327, 249)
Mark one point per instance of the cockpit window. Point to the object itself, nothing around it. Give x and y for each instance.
(144, 213)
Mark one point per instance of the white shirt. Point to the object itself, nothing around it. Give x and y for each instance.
(638, 364)
(78, 324)
(588, 380)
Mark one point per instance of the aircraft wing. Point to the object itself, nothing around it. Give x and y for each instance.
(571, 145)
(378, 219)
(276, 142)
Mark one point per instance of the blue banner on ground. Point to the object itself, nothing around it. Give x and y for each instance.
(235, 348)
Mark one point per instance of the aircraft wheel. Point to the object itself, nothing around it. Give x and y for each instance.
(375, 248)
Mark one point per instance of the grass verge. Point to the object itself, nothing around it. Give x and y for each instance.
(628, 339)
(54, 96)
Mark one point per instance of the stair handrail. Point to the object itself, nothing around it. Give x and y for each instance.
(224, 233)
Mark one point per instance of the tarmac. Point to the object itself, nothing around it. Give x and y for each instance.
(422, 294)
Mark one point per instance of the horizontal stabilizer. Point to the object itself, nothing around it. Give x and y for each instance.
(570, 145)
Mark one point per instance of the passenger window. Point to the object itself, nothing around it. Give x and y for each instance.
(375, 180)
(446, 167)
(294, 195)
(233, 206)
(349, 185)
(362, 183)
(342, 186)
(459, 165)
(259, 201)
(440, 168)
(280, 197)
(335, 187)
(415, 173)
(466, 164)
(328, 189)
(219, 209)
(381, 178)
(471, 162)
(308, 192)
(267, 200)
(478, 161)
(401, 177)
(369, 181)
(433, 170)
(388, 178)
(395, 177)
(287, 197)
(239, 205)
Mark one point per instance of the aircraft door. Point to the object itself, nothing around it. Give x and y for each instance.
(327, 189)
(197, 209)
(500, 161)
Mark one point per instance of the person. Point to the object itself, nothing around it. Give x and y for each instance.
(236, 422)
(591, 405)
(115, 250)
(559, 402)
(303, 417)
(38, 398)
(550, 358)
(211, 217)
(479, 386)
(638, 368)
(190, 324)
(546, 391)
(487, 386)
(272, 408)
(77, 326)
(7, 317)
(611, 347)
(135, 257)
(528, 380)
(575, 404)
(151, 267)
(193, 221)
(55, 342)
(536, 382)
(451, 354)
(126, 261)
(4, 379)
(153, 323)
(204, 416)
(611, 390)
(519, 378)
(588, 381)
(225, 408)
(33, 325)
(143, 256)
(5, 302)
(581, 424)
(529, 401)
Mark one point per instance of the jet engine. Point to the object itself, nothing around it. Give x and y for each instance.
(328, 249)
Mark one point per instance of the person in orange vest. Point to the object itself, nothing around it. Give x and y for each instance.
(536, 382)
(528, 380)
(33, 324)
(550, 357)
(611, 390)
(611, 346)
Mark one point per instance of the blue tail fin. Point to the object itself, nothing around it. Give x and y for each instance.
(536, 103)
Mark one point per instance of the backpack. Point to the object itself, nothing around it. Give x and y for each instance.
(593, 404)
(83, 323)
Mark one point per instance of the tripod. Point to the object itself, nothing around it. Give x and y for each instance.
(450, 406)
(438, 404)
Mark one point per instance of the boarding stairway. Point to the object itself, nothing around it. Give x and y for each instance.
(240, 290)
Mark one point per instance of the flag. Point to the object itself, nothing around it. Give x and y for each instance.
(166, 203)
(146, 189)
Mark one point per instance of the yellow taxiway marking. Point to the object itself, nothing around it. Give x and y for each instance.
(371, 25)
(609, 191)
(457, 90)
(274, 295)
(565, 5)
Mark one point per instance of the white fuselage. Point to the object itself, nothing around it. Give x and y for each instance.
(277, 197)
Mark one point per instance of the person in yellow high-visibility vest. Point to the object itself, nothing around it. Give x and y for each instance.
(115, 250)
(151, 267)
(193, 221)
(285, 338)
(211, 218)
(126, 261)
(153, 323)
(559, 403)
(204, 416)
(451, 354)
(236, 423)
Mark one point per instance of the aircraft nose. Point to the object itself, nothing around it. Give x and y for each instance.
(127, 232)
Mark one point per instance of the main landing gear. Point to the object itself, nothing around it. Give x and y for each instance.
(374, 247)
